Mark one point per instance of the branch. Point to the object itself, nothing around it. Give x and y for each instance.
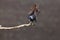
(15, 26)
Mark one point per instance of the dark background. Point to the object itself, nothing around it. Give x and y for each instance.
(14, 12)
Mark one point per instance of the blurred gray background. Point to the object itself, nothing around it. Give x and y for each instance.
(14, 12)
